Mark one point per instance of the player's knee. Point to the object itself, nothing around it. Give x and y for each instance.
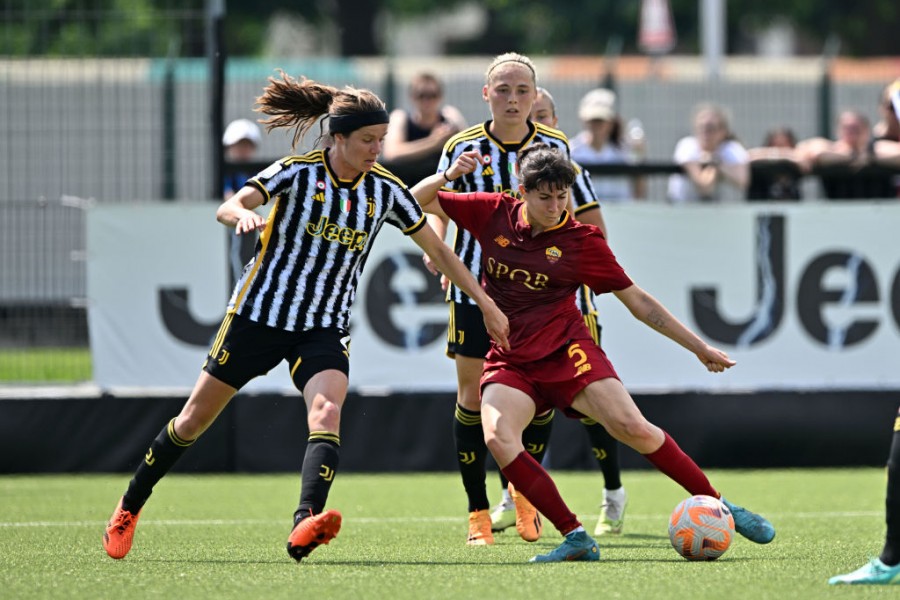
(324, 415)
(495, 444)
(502, 443)
(189, 425)
(631, 431)
(469, 398)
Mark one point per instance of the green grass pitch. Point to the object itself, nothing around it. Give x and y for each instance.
(223, 536)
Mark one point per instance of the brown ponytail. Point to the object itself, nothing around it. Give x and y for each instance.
(299, 104)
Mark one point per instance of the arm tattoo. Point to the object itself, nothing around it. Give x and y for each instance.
(656, 319)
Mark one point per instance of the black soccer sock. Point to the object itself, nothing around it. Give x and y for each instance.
(320, 464)
(503, 481)
(890, 555)
(536, 437)
(164, 451)
(606, 450)
(471, 452)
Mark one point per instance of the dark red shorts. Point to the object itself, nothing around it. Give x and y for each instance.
(555, 380)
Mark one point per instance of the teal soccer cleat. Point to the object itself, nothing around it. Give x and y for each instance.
(577, 546)
(749, 524)
(874, 572)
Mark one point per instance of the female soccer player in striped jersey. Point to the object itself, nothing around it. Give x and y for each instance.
(535, 257)
(293, 300)
(510, 90)
(885, 570)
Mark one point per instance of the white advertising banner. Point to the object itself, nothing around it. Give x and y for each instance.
(803, 297)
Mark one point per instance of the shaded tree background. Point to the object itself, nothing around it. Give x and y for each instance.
(136, 27)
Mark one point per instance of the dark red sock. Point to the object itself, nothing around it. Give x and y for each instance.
(671, 460)
(530, 479)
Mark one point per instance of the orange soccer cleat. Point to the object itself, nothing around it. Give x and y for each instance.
(528, 519)
(119, 532)
(480, 528)
(312, 532)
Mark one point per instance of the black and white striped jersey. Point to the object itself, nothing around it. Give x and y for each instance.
(583, 199)
(498, 173)
(314, 247)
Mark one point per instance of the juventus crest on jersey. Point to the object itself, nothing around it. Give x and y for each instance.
(497, 173)
(310, 256)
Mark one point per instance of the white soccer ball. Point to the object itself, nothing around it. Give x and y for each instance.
(701, 528)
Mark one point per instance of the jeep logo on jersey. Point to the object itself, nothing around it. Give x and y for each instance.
(354, 239)
(405, 303)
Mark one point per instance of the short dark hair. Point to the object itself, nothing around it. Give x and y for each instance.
(539, 164)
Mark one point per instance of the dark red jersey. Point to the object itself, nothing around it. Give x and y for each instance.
(533, 279)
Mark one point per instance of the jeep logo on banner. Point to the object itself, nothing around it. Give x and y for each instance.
(802, 296)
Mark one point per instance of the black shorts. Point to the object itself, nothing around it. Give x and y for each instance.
(244, 349)
(466, 333)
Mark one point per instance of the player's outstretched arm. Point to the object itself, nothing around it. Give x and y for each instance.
(495, 321)
(648, 309)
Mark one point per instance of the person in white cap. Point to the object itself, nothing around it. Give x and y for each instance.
(600, 142)
(241, 141)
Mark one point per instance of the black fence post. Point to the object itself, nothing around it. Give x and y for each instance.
(169, 147)
(610, 59)
(825, 95)
(215, 52)
(390, 81)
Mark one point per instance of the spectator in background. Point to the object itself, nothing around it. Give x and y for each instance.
(600, 142)
(417, 135)
(775, 170)
(887, 131)
(709, 157)
(854, 148)
(241, 141)
(888, 125)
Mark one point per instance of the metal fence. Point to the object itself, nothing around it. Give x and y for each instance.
(77, 129)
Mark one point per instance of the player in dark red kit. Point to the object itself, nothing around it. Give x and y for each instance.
(534, 257)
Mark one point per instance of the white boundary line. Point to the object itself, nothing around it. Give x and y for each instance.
(377, 520)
